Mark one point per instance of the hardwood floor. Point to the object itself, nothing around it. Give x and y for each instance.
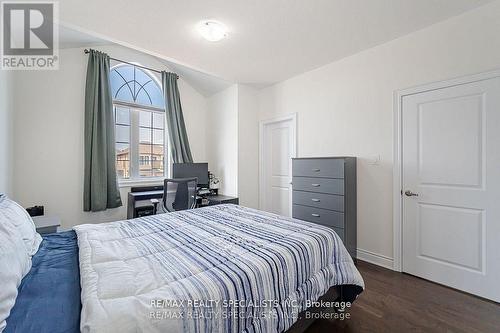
(396, 302)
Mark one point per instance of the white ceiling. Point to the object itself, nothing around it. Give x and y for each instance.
(269, 40)
(204, 83)
(69, 38)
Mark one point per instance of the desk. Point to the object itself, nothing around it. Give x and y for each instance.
(222, 199)
(135, 197)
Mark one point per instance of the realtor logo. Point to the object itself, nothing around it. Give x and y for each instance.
(29, 36)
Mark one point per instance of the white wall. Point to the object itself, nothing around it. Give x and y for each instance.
(248, 146)
(232, 142)
(48, 135)
(346, 108)
(222, 139)
(6, 134)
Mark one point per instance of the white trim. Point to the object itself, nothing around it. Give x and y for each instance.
(137, 106)
(397, 184)
(398, 151)
(262, 123)
(374, 258)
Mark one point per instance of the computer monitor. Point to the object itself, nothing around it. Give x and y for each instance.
(188, 170)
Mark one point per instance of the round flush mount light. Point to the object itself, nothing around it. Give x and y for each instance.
(212, 31)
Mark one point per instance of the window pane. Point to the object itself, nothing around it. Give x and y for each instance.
(145, 135)
(146, 173)
(122, 151)
(122, 133)
(158, 150)
(143, 97)
(156, 96)
(158, 173)
(145, 160)
(123, 169)
(145, 118)
(144, 149)
(122, 116)
(158, 137)
(124, 94)
(122, 84)
(119, 77)
(157, 163)
(132, 84)
(158, 120)
(141, 77)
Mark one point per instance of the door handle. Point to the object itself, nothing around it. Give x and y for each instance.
(315, 215)
(315, 185)
(409, 193)
(316, 170)
(315, 200)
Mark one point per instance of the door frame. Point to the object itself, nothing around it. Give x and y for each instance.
(398, 151)
(262, 124)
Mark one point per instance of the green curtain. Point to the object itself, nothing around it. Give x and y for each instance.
(179, 143)
(100, 183)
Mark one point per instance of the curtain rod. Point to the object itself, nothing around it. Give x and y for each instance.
(86, 51)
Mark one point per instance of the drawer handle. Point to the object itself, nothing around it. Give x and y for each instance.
(315, 215)
(316, 200)
(315, 185)
(316, 170)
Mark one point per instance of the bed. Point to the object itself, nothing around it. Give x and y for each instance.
(222, 268)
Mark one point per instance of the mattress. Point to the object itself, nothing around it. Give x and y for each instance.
(222, 268)
(49, 295)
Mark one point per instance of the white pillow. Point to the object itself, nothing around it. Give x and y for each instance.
(15, 263)
(11, 212)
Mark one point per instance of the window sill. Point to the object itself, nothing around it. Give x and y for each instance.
(140, 182)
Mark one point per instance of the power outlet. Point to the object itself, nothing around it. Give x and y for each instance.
(374, 160)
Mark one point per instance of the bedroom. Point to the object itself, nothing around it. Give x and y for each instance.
(314, 81)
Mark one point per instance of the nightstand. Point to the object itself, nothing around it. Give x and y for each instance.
(46, 224)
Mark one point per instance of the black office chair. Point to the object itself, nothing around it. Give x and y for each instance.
(178, 194)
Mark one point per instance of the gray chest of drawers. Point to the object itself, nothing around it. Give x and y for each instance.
(324, 192)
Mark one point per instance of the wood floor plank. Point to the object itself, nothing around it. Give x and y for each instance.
(397, 302)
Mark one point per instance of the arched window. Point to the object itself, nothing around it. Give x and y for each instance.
(131, 84)
(139, 109)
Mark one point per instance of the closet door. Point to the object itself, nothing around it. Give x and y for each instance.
(451, 177)
(277, 150)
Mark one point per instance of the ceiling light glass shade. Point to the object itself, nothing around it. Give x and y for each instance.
(212, 31)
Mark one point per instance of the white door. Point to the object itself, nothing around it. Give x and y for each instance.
(277, 150)
(451, 186)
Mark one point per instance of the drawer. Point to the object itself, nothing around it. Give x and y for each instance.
(319, 200)
(340, 232)
(323, 185)
(327, 168)
(318, 215)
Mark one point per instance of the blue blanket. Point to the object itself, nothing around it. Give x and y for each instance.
(49, 295)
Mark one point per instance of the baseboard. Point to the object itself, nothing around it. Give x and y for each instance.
(375, 258)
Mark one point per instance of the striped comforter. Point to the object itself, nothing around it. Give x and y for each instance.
(224, 268)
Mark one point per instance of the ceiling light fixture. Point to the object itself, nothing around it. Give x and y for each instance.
(212, 31)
